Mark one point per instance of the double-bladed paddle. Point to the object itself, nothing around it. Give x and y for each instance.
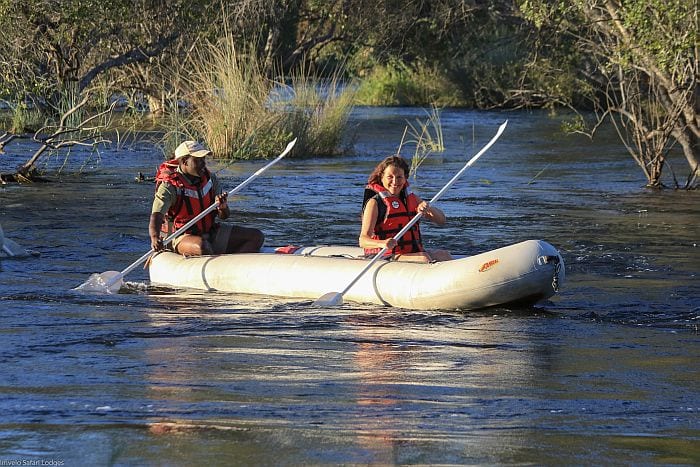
(111, 281)
(336, 298)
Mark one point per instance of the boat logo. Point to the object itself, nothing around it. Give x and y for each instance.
(395, 204)
(488, 265)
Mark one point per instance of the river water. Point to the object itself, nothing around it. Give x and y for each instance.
(606, 372)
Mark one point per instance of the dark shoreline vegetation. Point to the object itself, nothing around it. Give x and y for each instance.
(245, 77)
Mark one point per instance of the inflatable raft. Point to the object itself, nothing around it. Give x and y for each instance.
(519, 274)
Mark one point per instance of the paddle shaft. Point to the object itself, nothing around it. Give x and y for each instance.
(194, 220)
(418, 216)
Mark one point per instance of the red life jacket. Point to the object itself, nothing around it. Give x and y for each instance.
(191, 200)
(394, 214)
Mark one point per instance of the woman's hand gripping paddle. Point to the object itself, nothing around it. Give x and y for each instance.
(336, 298)
(111, 281)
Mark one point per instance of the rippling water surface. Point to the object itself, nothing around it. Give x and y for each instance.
(605, 372)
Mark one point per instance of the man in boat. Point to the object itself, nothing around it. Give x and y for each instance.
(186, 188)
(387, 207)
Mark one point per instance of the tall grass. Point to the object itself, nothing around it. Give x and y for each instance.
(426, 136)
(23, 119)
(320, 112)
(242, 114)
(398, 83)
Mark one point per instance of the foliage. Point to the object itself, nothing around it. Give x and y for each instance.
(397, 83)
(427, 137)
(320, 111)
(24, 119)
(49, 45)
(243, 114)
(637, 65)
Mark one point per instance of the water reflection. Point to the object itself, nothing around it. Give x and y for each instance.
(379, 376)
(374, 381)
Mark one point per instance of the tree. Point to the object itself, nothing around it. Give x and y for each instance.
(637, 62)
(55, 51)
(53, 46)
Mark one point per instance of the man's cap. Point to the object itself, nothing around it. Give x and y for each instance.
(191, 148)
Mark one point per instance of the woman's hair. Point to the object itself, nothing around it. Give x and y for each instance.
(376, 177)
(396, 161)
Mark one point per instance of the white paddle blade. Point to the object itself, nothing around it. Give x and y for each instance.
(97, 283)
(13, 249)
(330, 299)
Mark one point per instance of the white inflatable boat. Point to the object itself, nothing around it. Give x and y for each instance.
(519, 274)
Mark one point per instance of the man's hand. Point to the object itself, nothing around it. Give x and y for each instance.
(154, 231)
(222, 199)
(222, 209)
(157, 243)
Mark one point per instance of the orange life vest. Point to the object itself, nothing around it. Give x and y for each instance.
(192, 199)
(394, 213)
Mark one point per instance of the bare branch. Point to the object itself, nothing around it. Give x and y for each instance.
(5, 139)
(135, 55)
(72, 110)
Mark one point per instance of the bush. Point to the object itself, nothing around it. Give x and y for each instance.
(397, 83)
(242, 114)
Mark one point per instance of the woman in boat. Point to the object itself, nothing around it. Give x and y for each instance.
(186, 188)
(387, 207)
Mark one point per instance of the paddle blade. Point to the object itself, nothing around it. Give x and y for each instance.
(13, 249)
(330, 299)
(97, 283)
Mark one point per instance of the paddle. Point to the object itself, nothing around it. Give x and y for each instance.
(335, 298)
(111, 281)
(12, 249)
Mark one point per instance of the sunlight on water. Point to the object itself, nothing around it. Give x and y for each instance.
(604, 372)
